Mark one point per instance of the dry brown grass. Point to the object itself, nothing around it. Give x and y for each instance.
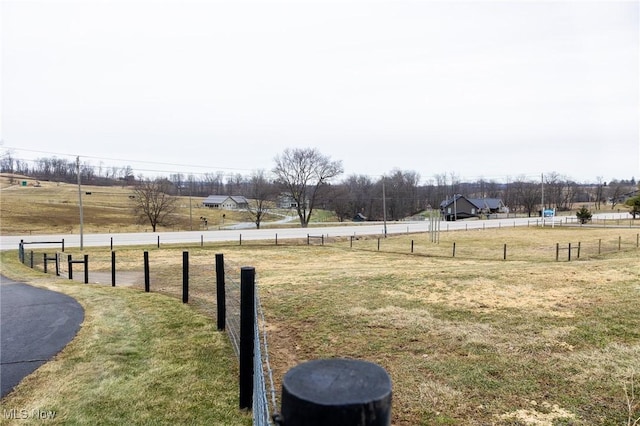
(53, 208)
(467, 340)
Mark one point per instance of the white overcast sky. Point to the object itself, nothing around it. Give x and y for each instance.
(492, 89)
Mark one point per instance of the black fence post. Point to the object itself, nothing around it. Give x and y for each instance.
(45, 263)
(454, 249)
(557, 252)
(86, 269)
(247, 334)
(337, 392)
(31, 259)
(220, 292)
(146, 272)
(113, 269)
(378, 243)
(308, 241)
(276, 238)
(57, 265)
(158, 241)
(569, 255)
(351, 241)
(504, 255)
(579, 246)
(619, 243)
(240, 239)
(63, 245)
(70, 266)
(111, 243)
(185, 277)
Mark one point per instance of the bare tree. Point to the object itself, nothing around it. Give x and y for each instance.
(402, 194)
(355, 195)
(529, 194)
(153, 203)
(341, 201)
(617, 190)
(599, 192)
(304, 172)
(261, 193)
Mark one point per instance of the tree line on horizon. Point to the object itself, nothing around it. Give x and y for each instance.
(312, 180)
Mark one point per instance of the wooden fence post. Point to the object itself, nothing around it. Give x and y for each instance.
(337, 392)
(220, 291)
(86, 269)
(247, 334)
(185, 277)
(146, 272)
(113, 269)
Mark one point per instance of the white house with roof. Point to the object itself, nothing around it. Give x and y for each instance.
(226, 202)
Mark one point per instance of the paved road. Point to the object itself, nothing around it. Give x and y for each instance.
(336, 230)
(35, 324)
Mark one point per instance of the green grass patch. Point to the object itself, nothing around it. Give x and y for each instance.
(138, 359)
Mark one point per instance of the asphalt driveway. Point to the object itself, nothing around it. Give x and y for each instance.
(35, 324)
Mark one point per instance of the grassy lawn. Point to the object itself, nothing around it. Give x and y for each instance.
(471, 340)
(467, 340)
(137, 359)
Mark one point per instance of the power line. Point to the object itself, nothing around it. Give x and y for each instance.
(126, 161)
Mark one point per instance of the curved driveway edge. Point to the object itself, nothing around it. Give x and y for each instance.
(35, 324)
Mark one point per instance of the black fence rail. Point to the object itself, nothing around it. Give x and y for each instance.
(223, 290)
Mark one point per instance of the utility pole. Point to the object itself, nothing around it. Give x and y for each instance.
(190, 208)
(455, 207)
(80, 199)
(542, 197)
(384, 209)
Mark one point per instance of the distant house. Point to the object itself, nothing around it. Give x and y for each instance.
(359, 218)
(622, 198)
(461, 207)
(287, 201)
(226, 202)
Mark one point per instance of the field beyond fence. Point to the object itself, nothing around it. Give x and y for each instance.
(496, 326)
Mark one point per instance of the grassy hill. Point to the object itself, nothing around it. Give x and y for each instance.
(53, 208)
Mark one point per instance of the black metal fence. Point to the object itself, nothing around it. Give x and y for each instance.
(221, 289)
